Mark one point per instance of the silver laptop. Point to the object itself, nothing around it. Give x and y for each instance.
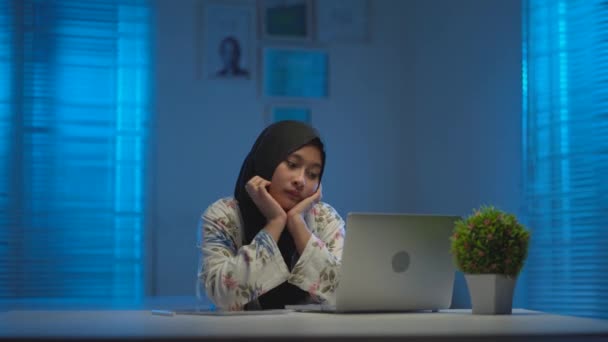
(394, 262)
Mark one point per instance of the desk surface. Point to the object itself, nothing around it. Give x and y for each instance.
(452, 325)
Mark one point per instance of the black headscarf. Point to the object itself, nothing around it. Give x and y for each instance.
(271, 148)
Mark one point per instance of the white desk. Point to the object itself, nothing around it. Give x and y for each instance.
(449, 325)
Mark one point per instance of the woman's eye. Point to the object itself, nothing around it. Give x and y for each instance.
(313, 175)
(291, 165)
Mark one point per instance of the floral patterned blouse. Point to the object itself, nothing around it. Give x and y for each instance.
(234, 274)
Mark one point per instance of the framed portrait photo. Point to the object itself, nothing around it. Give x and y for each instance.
(228, 39)
(286, 19)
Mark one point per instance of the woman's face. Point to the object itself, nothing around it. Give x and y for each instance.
(297, 177)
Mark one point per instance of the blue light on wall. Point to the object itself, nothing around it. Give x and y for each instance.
(565, 130)
(75, 227)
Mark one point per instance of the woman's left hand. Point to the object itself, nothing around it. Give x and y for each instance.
(306, 204)
(295, 220)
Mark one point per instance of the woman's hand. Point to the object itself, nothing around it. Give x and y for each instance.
(295, 220)
(257, 188)
(306, 204)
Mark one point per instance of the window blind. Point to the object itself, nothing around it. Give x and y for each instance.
(6, 138)
(565, 87)
(78, 114)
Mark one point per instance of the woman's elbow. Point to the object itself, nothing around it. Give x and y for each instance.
(223, 297)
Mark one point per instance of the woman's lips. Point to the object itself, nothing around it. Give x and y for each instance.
(294, 195)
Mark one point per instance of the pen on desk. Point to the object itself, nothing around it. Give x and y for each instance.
(163, 312)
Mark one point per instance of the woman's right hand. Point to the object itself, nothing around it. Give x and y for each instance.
(257, 188)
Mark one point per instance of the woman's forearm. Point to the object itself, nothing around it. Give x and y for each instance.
(299, 231)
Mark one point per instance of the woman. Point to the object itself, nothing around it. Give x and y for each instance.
(274, 243)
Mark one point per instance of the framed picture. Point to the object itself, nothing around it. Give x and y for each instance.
(282, 112)
(228, 39)
(286, 19)
(294, 73)
(342, 21)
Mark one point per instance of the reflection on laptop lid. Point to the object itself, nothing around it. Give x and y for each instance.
(395, 262)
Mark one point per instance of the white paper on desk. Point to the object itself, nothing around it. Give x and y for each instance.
(312, 308)
(233, 313)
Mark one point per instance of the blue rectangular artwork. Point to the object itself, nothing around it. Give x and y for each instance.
(296, 73)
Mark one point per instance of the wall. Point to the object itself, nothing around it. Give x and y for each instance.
(468, 108)
(424, 117)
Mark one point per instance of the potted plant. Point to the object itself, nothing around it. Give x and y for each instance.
(490, 247)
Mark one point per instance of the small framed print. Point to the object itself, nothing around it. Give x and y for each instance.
(340, 21)
(276, 113)
(286, 19)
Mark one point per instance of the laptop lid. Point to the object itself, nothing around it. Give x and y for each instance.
(396, 262)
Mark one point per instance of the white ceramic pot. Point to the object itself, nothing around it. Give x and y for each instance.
(491, 294)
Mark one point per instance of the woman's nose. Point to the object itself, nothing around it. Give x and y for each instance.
(299, 180)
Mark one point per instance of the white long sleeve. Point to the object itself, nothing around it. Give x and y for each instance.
(234, 275)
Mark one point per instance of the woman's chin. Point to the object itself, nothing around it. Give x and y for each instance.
(287, 204)
(287, 207)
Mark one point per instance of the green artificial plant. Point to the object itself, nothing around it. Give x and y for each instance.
(490, 241)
